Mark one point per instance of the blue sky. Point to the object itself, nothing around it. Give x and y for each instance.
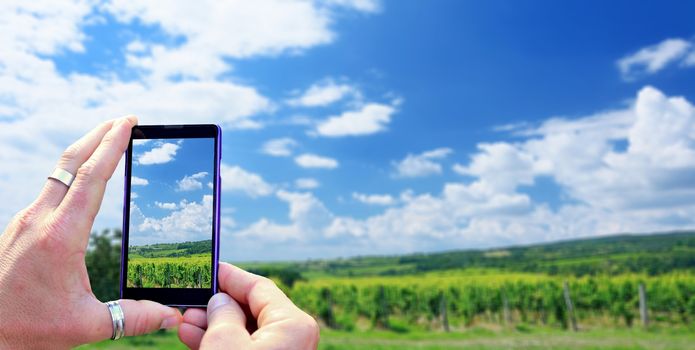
(356, 127)
(171, 190)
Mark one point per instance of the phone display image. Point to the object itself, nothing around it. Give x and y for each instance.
(171, 214)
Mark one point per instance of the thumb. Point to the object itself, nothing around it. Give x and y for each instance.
(144, 316)
(226, 321)
(140, 316)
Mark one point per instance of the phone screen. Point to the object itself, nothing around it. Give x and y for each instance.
(171, 227)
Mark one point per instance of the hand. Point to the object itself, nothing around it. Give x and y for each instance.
(250, 313)
(46, 300)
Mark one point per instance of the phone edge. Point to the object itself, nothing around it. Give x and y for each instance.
(218, 205)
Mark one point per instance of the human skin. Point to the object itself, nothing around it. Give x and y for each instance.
(46, 301)
(250, 312)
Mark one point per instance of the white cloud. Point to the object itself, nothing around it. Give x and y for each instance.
(369, 119)
(652, 59)
(306, 183)
(308, 160)
(191, 222)
(281, 147)
(236, 179)
(159, 155)
(191, 182)
(424, 164)
(308, 218)
(37, 27)
(162, 85)
(645, 186)
(137, 181)
(324, 93)
(374, 199)
(502, 165)
(651, 172)
(261, 27)
(167, 206)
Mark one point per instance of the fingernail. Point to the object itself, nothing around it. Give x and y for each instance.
(133, 120)
(218, 300)
(170, 322)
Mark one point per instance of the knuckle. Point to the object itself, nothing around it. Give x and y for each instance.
(70, 153)
(27, 218)
(89, 171)
(266, 282)
(51, 238)
(309, 326)
(307, 329)
(86, 170)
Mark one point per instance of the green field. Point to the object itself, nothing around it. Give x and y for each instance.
(490, 299)
(477, 338)
(177, 265)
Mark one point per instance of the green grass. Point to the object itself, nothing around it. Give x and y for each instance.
(159, 340)
(475, 338)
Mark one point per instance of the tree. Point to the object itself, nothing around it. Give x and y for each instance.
(103, 261)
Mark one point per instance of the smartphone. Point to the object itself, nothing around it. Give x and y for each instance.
(171, 214)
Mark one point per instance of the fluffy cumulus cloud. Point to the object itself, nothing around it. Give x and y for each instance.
(374, 199)
(653, 172)
(625, 170)
(368, 119)
(308, 219)
(308, 160)
(236, 179)
(263, 27)
(324, 93)
(423, 164)
(159, 155)
(188, 221)
(183, 74)
(654, 58)
(502, 166)
(137, 181)
(165, 205)
(281, 147)
(645, 187)
(306, 183)
(191, 182)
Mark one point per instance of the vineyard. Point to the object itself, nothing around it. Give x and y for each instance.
(182, 272)
(621, 292)
(457, 300)
(170, 265)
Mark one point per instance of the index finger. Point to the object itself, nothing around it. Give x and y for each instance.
(81, 204)
(259, 293)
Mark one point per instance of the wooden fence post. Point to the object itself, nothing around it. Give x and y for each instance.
(505, 310)
(382, 314)
(442, 311)
(570, 306)
(644, 315)
(327, 313)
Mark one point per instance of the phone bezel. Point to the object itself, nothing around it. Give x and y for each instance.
(179, 297)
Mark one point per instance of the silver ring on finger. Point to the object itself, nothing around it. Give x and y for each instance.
(63, 176)
(117, 318)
